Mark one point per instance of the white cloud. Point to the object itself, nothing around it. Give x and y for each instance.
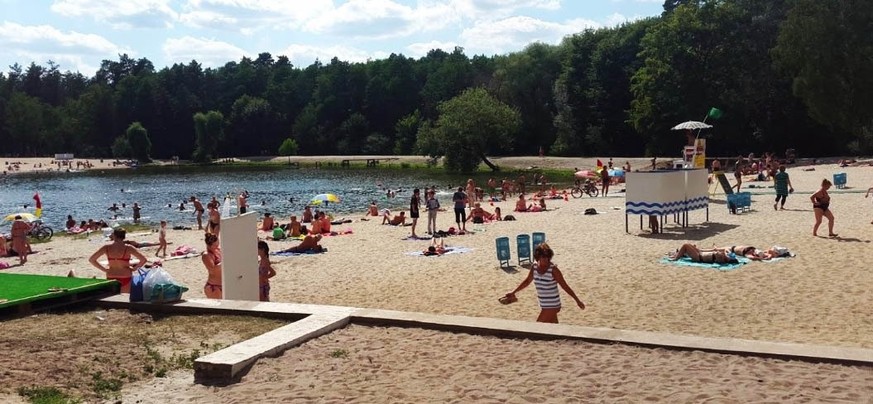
(420, 49)
(514, 33)
(304, 55)
(251, 15)
(208, 52)
(120, 14)
(40, 43)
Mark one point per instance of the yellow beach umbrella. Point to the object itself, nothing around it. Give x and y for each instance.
(317, 199)
(27, 217)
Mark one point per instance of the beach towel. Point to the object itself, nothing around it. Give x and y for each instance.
(686, 262)
(449, 250)
(410, 238)
(183, 250)
(295, 254)
(191, 254)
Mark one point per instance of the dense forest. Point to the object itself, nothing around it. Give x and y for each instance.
(785, 74)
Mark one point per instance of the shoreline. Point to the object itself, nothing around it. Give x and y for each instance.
(554, 164)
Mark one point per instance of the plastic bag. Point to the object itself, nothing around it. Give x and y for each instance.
(158, 287)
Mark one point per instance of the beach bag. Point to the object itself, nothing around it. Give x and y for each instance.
(590, 211)
(159, 287)
(136, 285)
(508, 218)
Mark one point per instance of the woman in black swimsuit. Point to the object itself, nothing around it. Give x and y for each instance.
(820, 205)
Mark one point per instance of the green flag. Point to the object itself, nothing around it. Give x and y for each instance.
(714, 113)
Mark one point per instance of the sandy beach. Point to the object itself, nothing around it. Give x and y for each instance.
(821, 296)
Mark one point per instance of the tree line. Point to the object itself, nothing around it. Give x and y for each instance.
(785, 73)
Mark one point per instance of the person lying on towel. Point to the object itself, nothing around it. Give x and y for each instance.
(435, 249)
(755, 254)
(704, 256)
(309, 244)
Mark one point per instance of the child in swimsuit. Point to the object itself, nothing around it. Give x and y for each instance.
(265, 270)
(162, 240)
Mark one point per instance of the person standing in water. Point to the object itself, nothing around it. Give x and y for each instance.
(198, 210)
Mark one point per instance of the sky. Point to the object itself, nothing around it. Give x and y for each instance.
(78, 34)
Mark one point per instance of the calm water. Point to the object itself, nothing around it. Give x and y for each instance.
(87, 195)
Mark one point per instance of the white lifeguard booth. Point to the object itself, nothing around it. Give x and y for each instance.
(664, 192)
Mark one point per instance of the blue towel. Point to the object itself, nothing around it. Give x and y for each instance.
(686, 262)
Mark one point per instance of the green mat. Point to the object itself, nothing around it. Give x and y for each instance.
(18, 289)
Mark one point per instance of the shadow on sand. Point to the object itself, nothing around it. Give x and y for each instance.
(692, 232)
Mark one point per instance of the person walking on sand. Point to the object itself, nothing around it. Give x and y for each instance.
(198, 210)
(738, 175)
(212, 261)
(783, 187)
(433, 206)
(460, 200)
(868, 194)
(19, 231)
(604, 180)
(546, 278)
(118, 257)
(162, 240)
(821, 202)
(414, 205)
(265, 270)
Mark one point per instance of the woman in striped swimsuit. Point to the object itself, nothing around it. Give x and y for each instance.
(546, 277)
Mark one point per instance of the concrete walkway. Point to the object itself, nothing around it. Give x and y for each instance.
(311, 321)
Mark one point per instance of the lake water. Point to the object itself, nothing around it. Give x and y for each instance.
(87, 195)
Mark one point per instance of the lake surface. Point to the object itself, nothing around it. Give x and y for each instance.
(87, 195)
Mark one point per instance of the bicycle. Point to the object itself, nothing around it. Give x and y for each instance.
(40, 231)
(586, 188)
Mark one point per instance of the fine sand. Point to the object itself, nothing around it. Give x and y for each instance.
(381, 365)
(821, 296)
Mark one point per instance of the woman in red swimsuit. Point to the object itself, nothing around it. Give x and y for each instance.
(118, 256)
(212, 261)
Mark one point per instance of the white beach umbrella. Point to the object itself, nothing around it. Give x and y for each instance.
(692, 125)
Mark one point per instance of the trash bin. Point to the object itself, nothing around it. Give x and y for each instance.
(840, 180)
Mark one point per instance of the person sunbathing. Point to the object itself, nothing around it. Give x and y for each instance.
(521, 204)
(399, 220)
(435, 249)
(478, 215)
(704, 256)
(309, 244)
(753, 253)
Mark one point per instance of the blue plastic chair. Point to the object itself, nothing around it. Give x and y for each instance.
(523, 242)
(503, 253)
(538, 238)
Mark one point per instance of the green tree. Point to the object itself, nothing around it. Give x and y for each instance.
(140, 144)
(208, 129)
(288, 147)
(469, 126)
(406, 129)
(826, 48)
(121, 148)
